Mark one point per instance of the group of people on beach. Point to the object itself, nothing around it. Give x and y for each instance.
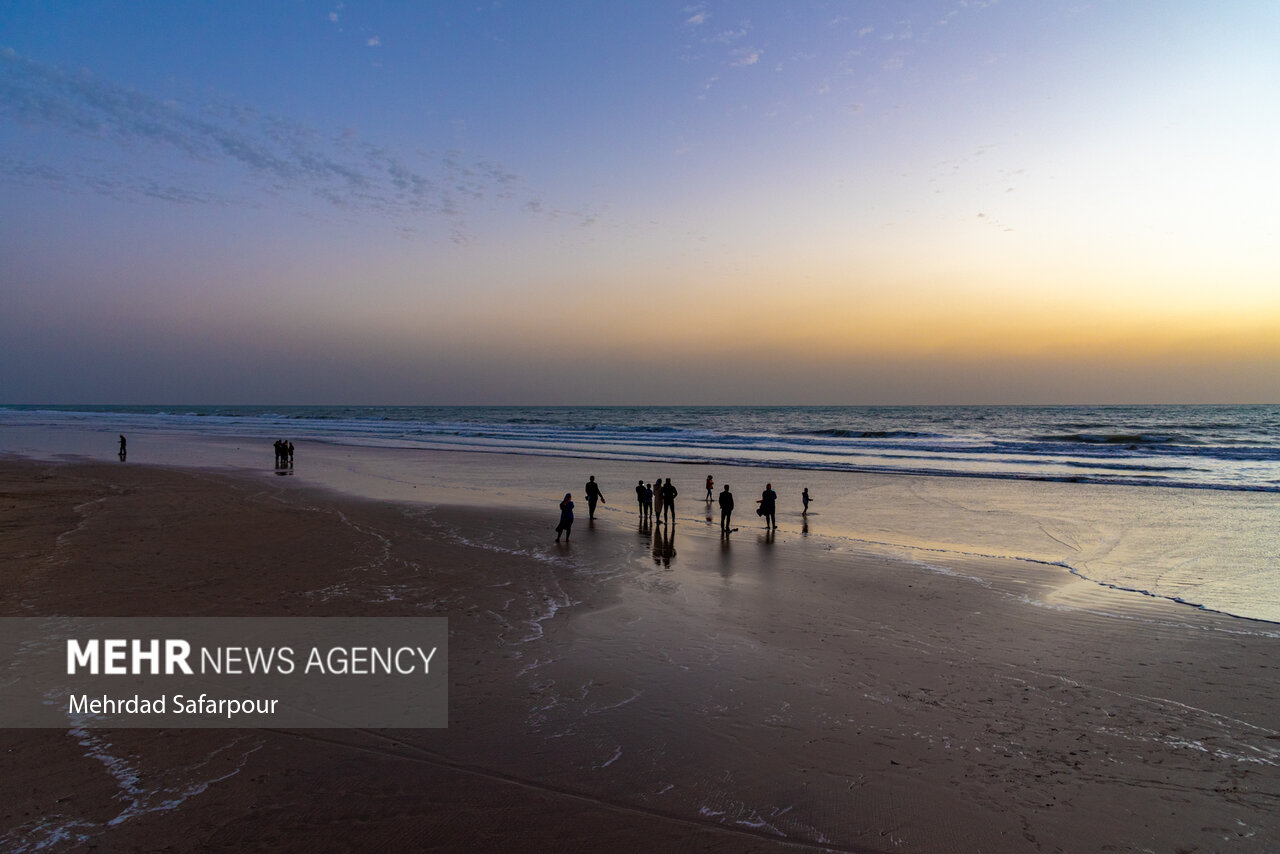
(657, 503)
(284, 454)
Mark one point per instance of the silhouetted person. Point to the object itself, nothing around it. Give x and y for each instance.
(122, 447)
(768, 506)
(288, 449)
(710, 486)
(642, 500)
(726, 508)
(650, 497)
(278, 444)
(804, 496)
(593, 495)
(566, 517)
(669, 494)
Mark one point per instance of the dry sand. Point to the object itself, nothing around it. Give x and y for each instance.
(636, 691)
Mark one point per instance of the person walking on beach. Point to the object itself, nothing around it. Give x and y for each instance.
(710, 486)
(642, 500)
(566, 517)
(726, 508)
(768, 506)
(122, 444)
(669, 494)
(593, 495)
(804, 496)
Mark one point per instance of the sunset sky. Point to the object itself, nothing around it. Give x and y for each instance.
(754, 202)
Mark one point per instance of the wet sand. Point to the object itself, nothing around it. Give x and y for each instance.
(640, 691)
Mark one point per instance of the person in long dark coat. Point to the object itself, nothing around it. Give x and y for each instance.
(566, 517)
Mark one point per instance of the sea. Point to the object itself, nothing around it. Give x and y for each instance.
(1189, 447)
(1177, 502)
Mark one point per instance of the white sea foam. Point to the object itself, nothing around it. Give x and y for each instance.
(141, 792)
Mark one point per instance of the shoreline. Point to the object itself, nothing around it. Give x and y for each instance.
(796, 688)
(1185, 452)
(1198, 548)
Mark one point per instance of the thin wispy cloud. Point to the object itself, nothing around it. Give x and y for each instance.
(697, 15)
(729, 36)
(277, 154)
(105, 184)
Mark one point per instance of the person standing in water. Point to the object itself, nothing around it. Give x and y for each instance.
(122, 444)
(726, 508)
(804, 496)
(769, 506)
(593, 495)
(642, 500)
(566, 517)
(710, 486)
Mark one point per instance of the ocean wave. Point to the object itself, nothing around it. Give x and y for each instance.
(1165, 446)
(1120, 438)
(844, 433)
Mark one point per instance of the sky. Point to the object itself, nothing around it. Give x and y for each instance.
(966, 201)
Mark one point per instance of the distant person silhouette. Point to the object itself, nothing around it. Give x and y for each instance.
(710, 486)
(726, 508)
(804, 496)
(122, 447)
(566, 517)
(649, 498)
(768, 506)
(288, 449)
(669, 494)
(642, 499)
(593, 495)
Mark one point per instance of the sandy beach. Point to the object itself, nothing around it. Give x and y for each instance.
(638, 689)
